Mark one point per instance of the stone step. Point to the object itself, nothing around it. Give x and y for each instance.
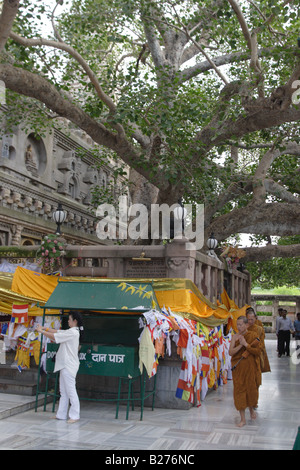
(13, 373)
(14, 404)
(12, 381)
(17, 387)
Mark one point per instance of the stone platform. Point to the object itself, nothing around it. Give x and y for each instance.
(212, 426)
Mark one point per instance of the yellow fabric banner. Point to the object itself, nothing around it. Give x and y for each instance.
(180, 295)
(25, 287)
(187, 304)
(32, 284)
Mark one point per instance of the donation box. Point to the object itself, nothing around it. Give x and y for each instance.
(104, 360)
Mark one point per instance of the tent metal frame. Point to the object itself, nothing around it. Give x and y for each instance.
(130, 399)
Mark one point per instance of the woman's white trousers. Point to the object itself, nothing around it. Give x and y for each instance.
(68, 395)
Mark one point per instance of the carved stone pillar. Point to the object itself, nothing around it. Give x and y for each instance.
(180, 262)
(16, 235)
(116, 267)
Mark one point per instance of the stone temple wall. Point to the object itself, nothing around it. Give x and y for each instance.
(38, 172)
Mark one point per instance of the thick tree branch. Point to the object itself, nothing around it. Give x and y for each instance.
(264, 118)
(251, 38)
(70, 50)
(34, 86)
(26, 83)
(182, 32)
(204, 66)
(137, 134)
(271, 251)
(261, 185)
(281, 219)
(259, 189)
(8, 14)
(241, 19)
(275, 189)
(247, 185)
(153, 43)
(231, 193)
(209, 60)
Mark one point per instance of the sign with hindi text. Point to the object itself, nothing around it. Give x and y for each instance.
(104, 360)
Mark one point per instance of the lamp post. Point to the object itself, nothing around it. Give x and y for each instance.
(179, 214)
(59, 216)
(212, 244)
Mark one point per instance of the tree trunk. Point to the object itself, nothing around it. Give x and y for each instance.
(141, 192)
(271, 251)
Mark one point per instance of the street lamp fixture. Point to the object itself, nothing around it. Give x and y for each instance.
(59, 216)
(180, 213)
(212, 244)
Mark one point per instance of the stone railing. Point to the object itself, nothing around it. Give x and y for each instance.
(172, 260)
(271, 309)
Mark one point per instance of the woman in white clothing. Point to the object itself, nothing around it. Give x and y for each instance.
(67, 362)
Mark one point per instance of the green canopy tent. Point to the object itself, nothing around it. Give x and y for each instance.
(109, 296)
(110, 310)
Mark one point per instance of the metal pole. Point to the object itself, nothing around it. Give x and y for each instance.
(39, 368)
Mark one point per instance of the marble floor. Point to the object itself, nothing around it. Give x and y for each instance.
(212, 426)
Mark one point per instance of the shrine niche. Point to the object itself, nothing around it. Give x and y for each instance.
(91, 176)
(70, 167)
(35, 155)
(103, 180)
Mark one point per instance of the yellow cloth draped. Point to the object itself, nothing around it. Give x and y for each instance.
(233, 309)
(180, 295)
(6, 305)
(32, 284)
(25, 286)
(8, 298)
(184, 298)
(6, 280)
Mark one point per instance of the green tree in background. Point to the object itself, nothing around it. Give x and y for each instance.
(199, 98)
(277, 272)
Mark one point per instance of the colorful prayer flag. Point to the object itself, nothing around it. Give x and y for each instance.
(20, 313)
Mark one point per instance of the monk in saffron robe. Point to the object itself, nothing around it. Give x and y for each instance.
(245, 369)
(256, 326)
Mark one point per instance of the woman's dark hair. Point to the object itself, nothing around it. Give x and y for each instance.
(77, 316)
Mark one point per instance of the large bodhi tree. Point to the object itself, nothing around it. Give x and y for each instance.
(199, 97)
